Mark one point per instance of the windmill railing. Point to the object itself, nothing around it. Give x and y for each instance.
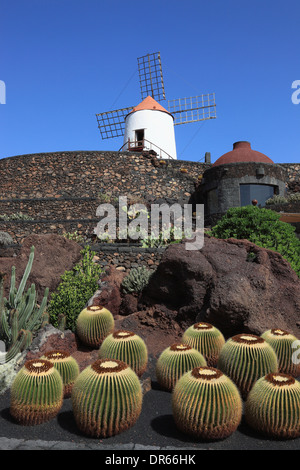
(144, 145)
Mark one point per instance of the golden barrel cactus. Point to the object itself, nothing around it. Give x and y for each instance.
(174, 361)
(66, 365)
(127, 347)
(36, 393)
(207, 339)
(286, 349)
(106, 398)
(245, 358)
(206, 404)
(273, 406)
(93, 324)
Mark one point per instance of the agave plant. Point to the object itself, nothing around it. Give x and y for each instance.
(127, 347)
(36, 393)
(106, 398)
(206, 404)
(273, 406)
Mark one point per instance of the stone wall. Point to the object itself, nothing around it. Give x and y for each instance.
(61, 191)
(122, 256)
(293, 176)
(126, 257)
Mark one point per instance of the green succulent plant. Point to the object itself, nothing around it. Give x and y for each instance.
(127, 347)
(66, 365)
(174, 361)
(20, 314)
(93, 324)
(36, 393)
(245, 358)
(106, 398)
(282, 342)
(207, 339)
(206, 404)
(273, 406)
(136, 280)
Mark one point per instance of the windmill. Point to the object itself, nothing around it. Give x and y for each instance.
(149, 125)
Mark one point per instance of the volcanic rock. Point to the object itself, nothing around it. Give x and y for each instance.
(233, 284)
(109, 295)
(53, 255)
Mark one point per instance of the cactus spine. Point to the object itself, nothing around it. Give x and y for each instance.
(93, 324)
(106, 398)
(127, 347)
(174, 361)
(20, 314)
(207, 339)
(66, 365)
(282, 343)
(245, 358)
(273, 406)
(206, 404)
(36, 393)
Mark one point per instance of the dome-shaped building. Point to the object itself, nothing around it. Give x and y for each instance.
(237, 178)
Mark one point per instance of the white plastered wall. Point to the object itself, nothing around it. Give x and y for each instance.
(158, 130)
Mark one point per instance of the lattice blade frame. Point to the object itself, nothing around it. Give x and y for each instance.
(193, 109)
(112, 123)
(151, 77)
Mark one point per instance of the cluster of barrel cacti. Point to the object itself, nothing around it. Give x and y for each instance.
(207, 376)
(20, 314)
(259, 370)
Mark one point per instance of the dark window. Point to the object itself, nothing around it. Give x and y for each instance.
(260, 192)
(139, 136)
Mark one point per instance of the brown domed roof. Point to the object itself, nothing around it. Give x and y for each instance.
(242, 152)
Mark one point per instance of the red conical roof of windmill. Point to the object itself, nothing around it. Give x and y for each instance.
(149, 103)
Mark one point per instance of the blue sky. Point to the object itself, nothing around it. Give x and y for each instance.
(63, 61)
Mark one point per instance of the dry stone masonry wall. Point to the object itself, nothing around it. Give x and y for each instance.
(61, 191)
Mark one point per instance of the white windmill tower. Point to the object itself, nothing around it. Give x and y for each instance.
(149, 125)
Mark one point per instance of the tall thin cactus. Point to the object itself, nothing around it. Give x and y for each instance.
(20, 314)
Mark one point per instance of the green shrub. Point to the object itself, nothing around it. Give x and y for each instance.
(75, 289)
(262, 227)
(283, 200)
